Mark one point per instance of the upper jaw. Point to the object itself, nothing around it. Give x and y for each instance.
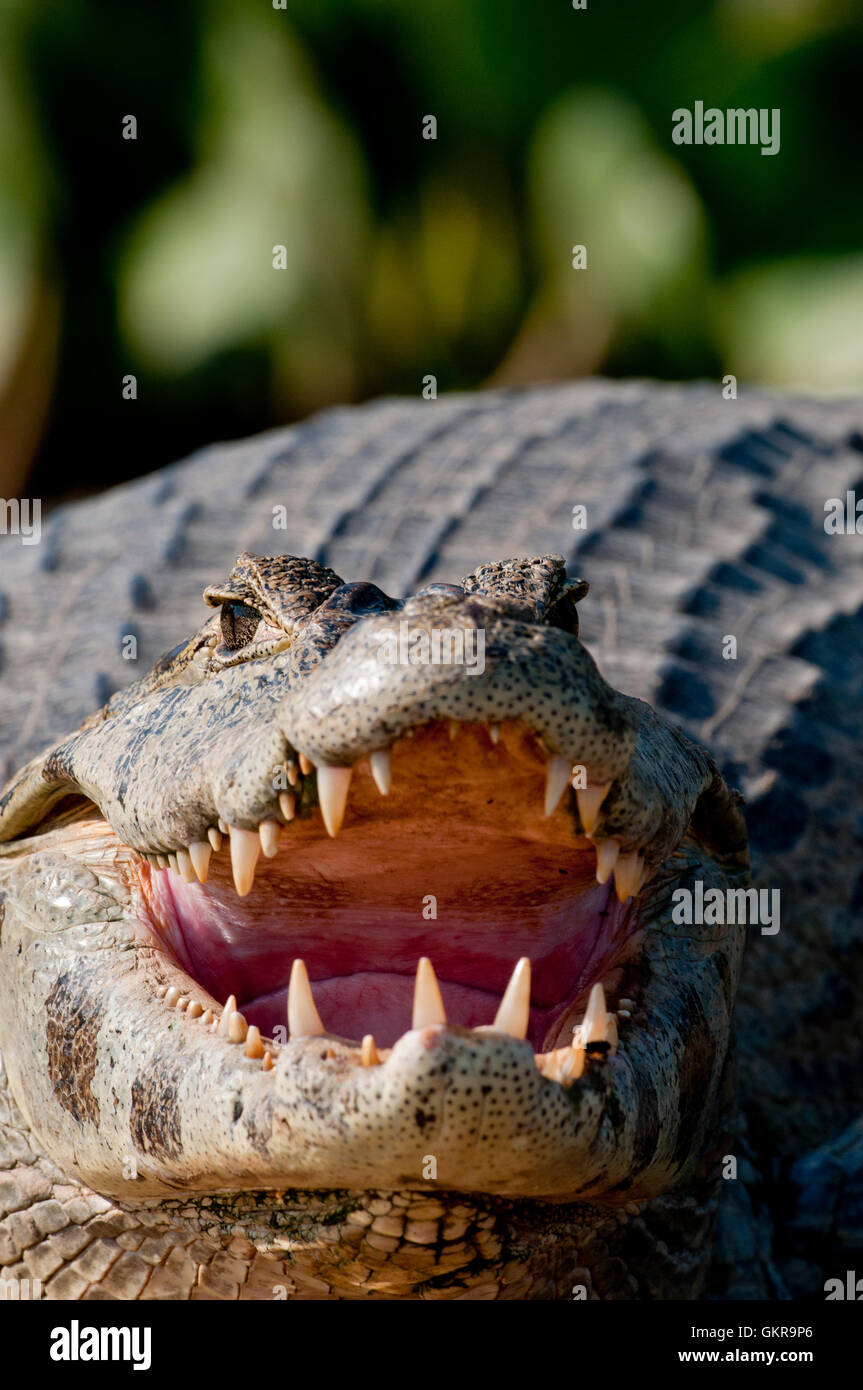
(172, 764)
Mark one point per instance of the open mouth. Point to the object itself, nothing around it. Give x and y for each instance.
(462, 848)
(422, 926)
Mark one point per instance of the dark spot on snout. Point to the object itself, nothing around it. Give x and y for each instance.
(155, 1119)
(74, 1020)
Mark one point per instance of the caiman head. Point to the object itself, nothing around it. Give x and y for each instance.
(353, 893)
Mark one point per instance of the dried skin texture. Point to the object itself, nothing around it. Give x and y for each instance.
(692, 537)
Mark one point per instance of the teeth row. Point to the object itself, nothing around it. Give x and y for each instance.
(334, 783)
(596, 1034)
(230, 1024)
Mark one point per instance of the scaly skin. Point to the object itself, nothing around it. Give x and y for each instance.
(495, 1242)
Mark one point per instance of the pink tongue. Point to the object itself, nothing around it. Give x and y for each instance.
(381, 1004)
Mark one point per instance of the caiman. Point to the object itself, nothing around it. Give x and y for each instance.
(346, 953)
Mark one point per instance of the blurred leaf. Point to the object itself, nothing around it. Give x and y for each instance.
(777, 26)
(276, 168)
(796, 324)
(22, 198)
(598, 179)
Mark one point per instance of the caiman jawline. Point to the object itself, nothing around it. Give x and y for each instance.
(475, 864)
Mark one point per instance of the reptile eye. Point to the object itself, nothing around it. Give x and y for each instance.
(239, 625)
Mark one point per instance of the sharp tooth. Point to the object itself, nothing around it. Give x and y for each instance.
(291, 770)
(589, 801)
(237, 1028)
(381, 770)
(303, 1018)
(370, 1056)
(207, 1017)
(254, 1046)
(595, 1022)
(513, 1015)
(611, 1034)
(558, 771)
(245, 848)
(333, 783)
(183, 1002)
(171, 996)
(428, 1005)
(564, 1065)
(172, 863)
(287, 805)
(628, 875)
(224, 1021)
(607, 852)
(199, 854)
(195, 1010)
(267, 1064)
(494, 732)
(306, 765)
(215, 838)
(269, 832)
(224, 827)
(162, 861)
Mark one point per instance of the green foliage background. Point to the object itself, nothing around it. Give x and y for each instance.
(302, 126)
